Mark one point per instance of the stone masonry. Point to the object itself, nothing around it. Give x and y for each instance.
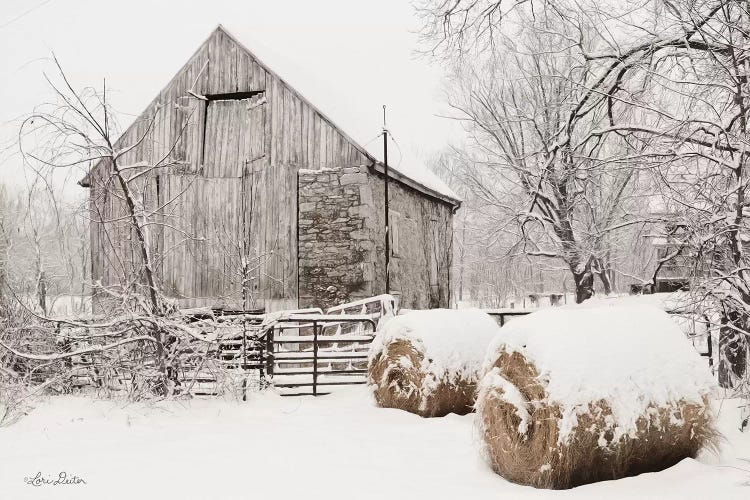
(336, 248)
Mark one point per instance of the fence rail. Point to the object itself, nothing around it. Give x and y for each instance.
(339, 341)
(299, 352)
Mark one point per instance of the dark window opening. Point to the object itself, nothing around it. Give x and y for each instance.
(233, 96)
(229, 96)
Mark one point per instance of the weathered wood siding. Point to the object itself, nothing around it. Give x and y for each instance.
(227, 192)
(230, 137)
(421, 245)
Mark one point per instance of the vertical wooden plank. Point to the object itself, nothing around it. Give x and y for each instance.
(230, 48)
(275, 136)
(213, 65)
(310, 138)
(315, 142)
(244, 72)
(323, 144)
(224, 140)
(211, 131)
(260, 77)
(304, 135)
(291, 270)
(195, 136)
(331, 147)
(285, 131)
(297, 121)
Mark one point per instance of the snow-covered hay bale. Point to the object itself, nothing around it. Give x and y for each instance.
(429, 362)
(576, 395)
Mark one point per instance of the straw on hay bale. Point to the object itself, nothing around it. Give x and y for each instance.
(428, 362)
(577, 395)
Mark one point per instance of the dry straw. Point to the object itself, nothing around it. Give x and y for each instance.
(399, 379)
(429, 362)
(522, 443)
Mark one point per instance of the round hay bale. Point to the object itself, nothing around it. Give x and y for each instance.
(428, 362)
(576, 396)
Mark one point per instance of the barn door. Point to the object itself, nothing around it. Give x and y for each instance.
(216, 235)
(236, 151)
(200, 241)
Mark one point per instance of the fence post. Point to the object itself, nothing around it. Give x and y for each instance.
(269, 351)
(244, 343)
(315, 358)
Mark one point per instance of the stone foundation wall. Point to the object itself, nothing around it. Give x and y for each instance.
(336, 251)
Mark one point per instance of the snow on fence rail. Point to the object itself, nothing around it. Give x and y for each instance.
(329, 357)
(289, 349)
(380, 307)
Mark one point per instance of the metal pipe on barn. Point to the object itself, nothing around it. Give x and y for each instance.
(387, 219)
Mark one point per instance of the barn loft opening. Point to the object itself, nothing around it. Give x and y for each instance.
(220, 109)
(233, 96)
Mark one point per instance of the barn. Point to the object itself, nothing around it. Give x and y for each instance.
(258, 200)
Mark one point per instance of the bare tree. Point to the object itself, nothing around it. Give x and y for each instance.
(488, 272)
(670, 79)
(559, 187)
(45, 247)
(700, 92)
(75, 133)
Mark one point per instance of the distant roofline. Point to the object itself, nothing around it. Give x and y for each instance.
(376, 165)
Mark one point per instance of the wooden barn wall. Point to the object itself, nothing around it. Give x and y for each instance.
(421, 245)
(218, 209)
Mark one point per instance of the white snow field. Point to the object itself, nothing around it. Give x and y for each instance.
(339, 446)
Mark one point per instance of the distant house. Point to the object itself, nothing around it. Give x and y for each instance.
(672, 264)
(265, 202)
(677, 272)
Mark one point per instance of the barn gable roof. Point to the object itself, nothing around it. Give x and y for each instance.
(427, 183)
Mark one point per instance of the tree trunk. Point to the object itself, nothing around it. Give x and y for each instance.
(605, 276)
(583, 277)
(139, 224)
(41, 291)
(733, 349)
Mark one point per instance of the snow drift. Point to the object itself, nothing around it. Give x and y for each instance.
(576, 395)
(429, 362)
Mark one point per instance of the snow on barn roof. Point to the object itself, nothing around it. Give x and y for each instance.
(407, 170)
(411, 172)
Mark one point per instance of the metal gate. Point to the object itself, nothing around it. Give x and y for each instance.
(308, 352)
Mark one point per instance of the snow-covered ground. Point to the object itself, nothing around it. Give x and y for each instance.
(331, 447)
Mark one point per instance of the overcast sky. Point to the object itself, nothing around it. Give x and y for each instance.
(349, 57)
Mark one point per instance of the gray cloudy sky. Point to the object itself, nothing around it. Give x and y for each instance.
(347, 56)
